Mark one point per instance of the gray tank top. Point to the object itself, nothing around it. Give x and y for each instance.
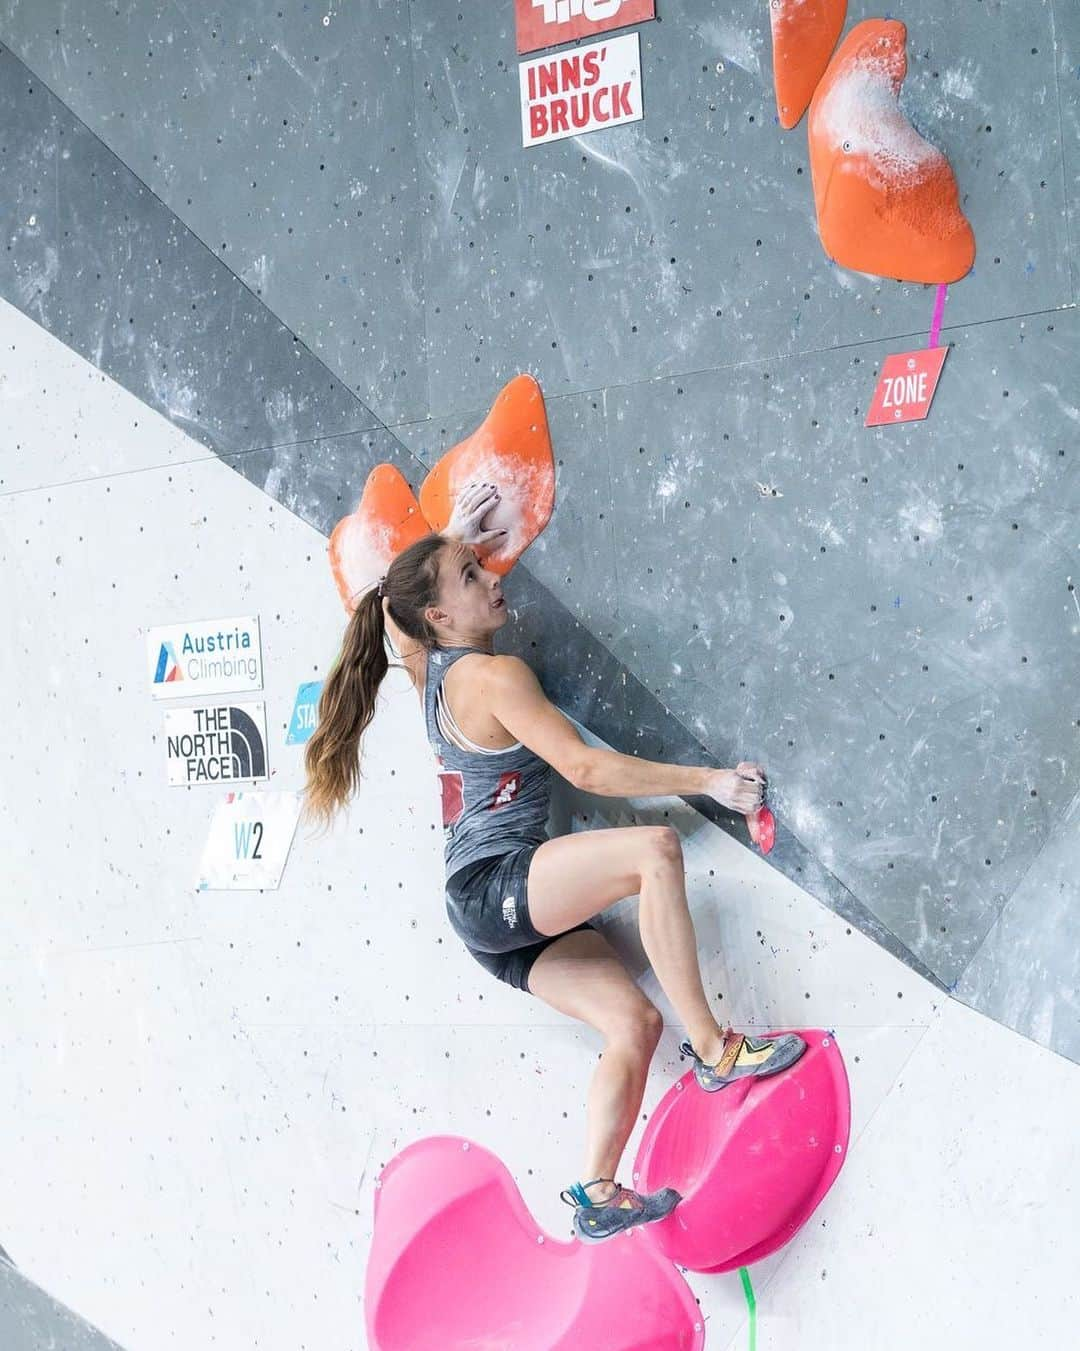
(493, 801)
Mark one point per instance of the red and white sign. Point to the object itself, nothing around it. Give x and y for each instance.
(546, 23)
(906, 387)
(581, 90)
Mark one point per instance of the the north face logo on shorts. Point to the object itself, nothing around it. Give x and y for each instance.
(510, 912)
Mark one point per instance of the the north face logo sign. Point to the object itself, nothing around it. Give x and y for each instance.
(507, 791)
(509, 912)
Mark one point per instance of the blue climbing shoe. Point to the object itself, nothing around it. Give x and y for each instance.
(744, 1057)
(596, 1220)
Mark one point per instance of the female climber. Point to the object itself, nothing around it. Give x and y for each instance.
(520, 901)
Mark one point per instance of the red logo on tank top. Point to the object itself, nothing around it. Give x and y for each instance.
(508, 789)
(453, 794)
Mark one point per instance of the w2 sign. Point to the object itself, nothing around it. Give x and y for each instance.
(906, 387)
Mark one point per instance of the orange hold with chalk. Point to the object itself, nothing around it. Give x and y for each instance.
(804, 33)
(887, 201)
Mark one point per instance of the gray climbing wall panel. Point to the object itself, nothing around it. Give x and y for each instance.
(31, 1320)
(317, 246)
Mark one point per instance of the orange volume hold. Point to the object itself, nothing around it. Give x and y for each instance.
(364, 544)
(887, 201)
(804, 33)
(512, 449)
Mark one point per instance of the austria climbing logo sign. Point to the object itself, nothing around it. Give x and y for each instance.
(208, 656)
(546, 23)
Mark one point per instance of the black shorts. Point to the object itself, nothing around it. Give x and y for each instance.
(487, 903)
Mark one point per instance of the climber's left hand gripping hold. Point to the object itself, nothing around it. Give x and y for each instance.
(466, 520)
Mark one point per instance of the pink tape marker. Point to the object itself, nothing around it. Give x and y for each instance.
(939, 311)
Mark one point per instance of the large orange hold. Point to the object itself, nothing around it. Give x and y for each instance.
(887, 201)
(512, 449)
(804, 33)
(363, 545)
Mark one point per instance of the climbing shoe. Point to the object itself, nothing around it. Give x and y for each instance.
(743, 1057)
(597, 1220)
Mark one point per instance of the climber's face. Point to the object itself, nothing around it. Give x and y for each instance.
(471, 605)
